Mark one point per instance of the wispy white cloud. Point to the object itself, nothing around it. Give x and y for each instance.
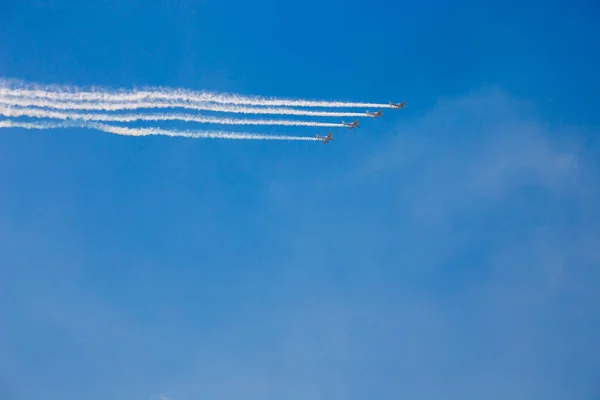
(159, 396)
(475, 149)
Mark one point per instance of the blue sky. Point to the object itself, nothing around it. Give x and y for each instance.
(449, 250)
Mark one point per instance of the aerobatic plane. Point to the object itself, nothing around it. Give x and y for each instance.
(397, 106)
(352, 125)
(327, 138)
(375, 115)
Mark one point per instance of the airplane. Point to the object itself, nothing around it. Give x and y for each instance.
(397, 106)
(326, 138)
(352, 125)
(375, 115)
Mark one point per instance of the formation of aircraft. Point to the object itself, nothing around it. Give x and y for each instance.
(327, 138)
(355, 124)
(376, 114)
(352, 125)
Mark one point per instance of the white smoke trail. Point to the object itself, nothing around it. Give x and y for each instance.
(118, 130)
(72, 93)
(60, 105)
(40, 113)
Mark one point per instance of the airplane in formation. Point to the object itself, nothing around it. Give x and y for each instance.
(376, 114)
(398, 106)
(352, 125)
(355, 124)
(327, 138)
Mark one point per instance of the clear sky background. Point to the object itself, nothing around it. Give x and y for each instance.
(450, 250)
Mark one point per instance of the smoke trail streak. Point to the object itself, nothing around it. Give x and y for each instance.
(40, 113)
(118, 130)
(42, 103)
(71, 93)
